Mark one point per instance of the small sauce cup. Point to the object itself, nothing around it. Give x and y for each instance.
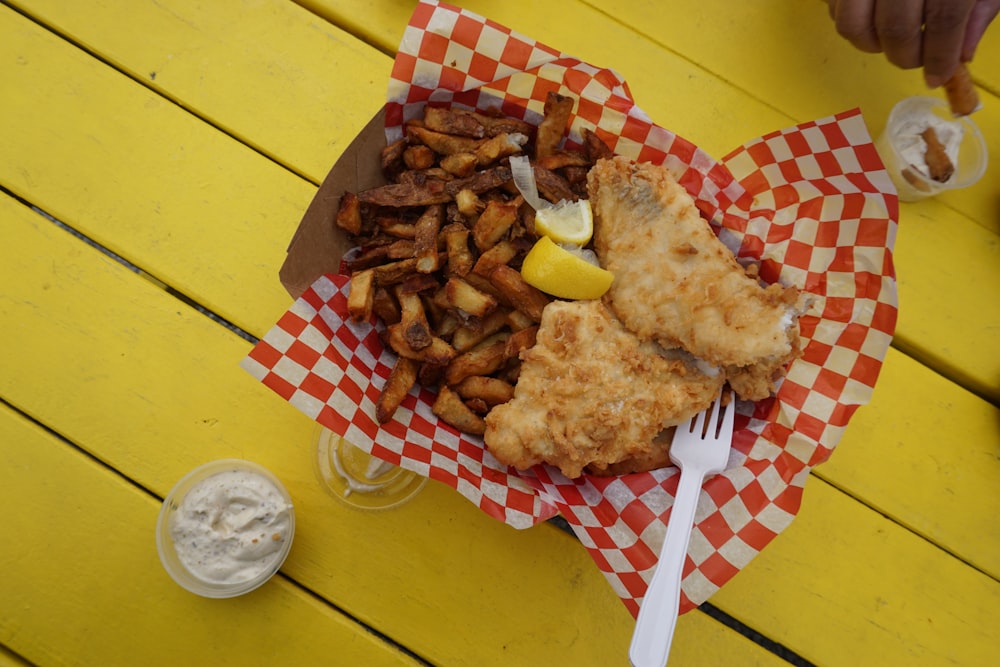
(232, 510)
(911, 184)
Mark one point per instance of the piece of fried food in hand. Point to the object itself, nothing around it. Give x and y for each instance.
(675, 281)
(590, 394)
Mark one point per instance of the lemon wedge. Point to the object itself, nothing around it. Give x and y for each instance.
(563, 273)
(566, 222)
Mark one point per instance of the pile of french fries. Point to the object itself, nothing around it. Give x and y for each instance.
(441, 245)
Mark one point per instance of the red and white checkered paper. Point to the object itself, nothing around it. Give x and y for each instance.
(812, 203)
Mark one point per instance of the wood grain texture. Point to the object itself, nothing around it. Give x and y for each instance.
(83, 584)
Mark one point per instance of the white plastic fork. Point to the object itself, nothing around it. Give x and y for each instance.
(699, 452)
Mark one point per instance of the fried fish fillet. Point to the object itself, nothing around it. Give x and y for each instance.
(591, 394)
(678, 284)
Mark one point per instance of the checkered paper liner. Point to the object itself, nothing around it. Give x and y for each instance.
(812, 203)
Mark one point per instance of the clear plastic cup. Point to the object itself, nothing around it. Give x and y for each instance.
(236, 504)
(911, 182)
(356, 478)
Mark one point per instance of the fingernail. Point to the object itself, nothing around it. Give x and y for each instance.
(933, 80)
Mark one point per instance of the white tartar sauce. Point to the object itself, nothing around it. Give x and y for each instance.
(230, 527)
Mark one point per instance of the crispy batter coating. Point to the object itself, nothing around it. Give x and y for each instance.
(590, 394)
(678, 284)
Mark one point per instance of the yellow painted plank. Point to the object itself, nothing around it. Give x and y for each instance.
(852, 588)
(925, 452)
(270, 73)
(143, 177)
(10, 659)
(83, 583)
(152, 388)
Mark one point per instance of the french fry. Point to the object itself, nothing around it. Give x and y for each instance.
(413, 321)
(361, 295)
(938, 163)
(385, 306)
(450, 408)
(494, 222)
(349, 213)
(418, 157)
(401, 380)
(440, 247)
(459, 164)
(483, 359)
(961, 92)
(553, 126)
(448, 121)
(444, 144)
(425, 239)
(518, 341)
(491, 390)
(522, 296)
(460, 259)
(467, 298)
(437, 352)
(470, 335)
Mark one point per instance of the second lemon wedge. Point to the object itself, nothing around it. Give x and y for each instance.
(563, 273)
(566, 222)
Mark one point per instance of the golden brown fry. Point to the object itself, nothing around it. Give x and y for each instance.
(361, 295)
(418, 157)
(413, 321)
(559, 159)
(444, 144)
(437, 352)
(349, 213)
(425, 240)
(467, 298)
(938, 163)
(529, 300)
(491, 390)
(401, 380)
(494, 222)
(385, 306)
(483, 359)
(450, 408)
(500, 146)
(460, 259)
(450, 121)
(400, 195)
(594, 146)
(961, 92)
(459, 164)
(496, 122)
(552, 186)
(499, 255)
(553, 126)
(469, 335)
(519, 341)
(392, 158)
(469, 204)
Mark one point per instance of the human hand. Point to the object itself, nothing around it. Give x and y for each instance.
(934, 34)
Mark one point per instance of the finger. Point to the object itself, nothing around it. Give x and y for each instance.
(982, 15)
(855, 22)
(944, 33)
(899, 24)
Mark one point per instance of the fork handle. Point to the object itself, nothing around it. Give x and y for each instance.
(654, 628)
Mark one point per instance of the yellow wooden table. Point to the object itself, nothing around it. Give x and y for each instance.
(155, 158)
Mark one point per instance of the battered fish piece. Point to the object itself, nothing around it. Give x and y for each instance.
(590, 393)
(678, 284)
